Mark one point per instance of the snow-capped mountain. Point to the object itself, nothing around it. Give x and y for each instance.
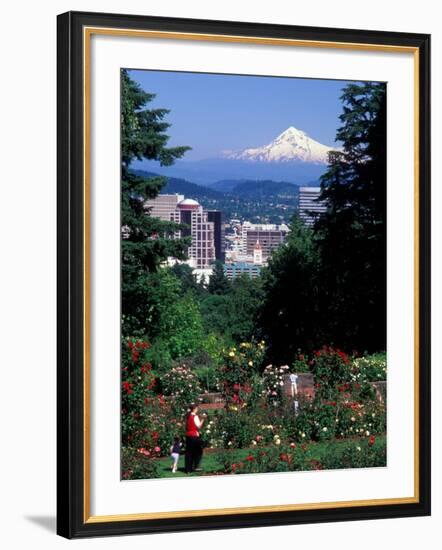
(290, 146)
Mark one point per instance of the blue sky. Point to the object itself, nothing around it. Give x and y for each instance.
(213, 112)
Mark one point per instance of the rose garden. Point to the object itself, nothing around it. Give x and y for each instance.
(258, 420)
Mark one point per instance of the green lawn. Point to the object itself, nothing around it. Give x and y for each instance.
(211, 465)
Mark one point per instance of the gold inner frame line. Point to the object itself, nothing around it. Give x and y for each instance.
(88, 32)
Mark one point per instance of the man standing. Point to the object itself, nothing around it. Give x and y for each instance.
(194, 446)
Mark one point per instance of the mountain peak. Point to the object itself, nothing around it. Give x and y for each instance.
(292, 131)
(293, 145)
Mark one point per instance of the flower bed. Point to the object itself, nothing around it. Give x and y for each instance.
(254, 410)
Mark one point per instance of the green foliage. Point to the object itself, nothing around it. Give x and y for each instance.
(304, 424)
(369, 368)
(232, 314)
(301, 363)
(245, 300)
(147, 420)
(159, 293)
(143, 130)
(236, 429)
(289, 312)
(137, 383)
(328, 456)
(182, 328)
(330, 367)
(182, 385)
(369, 453)
(351, 235)
(136, 465)
(218, 284)
(173, 319)
(362, 418)
(273, 382)
(329, 285)
(238, 374)
(146, 241)
(189, 284)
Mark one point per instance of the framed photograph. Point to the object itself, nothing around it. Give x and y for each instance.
(243, 274)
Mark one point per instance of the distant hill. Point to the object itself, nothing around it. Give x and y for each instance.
(208, 171)
(263, 201)
(184, 187)
(225, 186)
(256, 189)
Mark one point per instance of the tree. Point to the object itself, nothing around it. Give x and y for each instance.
(218, 283)
(182, 328)
(245, 299)
(187, 278)
(288, 317)
(143, 130)
(146, 241)
(351, 235)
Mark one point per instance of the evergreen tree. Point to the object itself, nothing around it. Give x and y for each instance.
(351, 235)
(288, 318)
(245, 299)
(146, 241)
(218, 284)
(188, 280)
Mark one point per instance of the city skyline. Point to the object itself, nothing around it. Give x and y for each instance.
(241, 246)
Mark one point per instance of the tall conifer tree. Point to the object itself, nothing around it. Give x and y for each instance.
(146, 241)
(351, 235)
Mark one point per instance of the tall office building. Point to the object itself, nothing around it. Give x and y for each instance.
(269, 236)
(309, 205)
(216, 216)
(163, 205)
(201, 252)
(204, 228)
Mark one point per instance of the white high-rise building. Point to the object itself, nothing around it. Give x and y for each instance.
(201, 252)
(176, 208)
(309, 206)
(269, 236)
(163, 205)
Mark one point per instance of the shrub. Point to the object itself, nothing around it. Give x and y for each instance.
(370, 368)
(183, 386)
(236, 429)
(301, 363)
(330, 367)
(137, 465)
(368, 453)
(273, 382)
(238, 373)
(358, 453)
(283, 458)
(325, 420)
(137, 383)
(360, 417)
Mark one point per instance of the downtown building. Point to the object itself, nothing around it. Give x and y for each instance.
(252, 269)
(206, 228)
(269, 237)
(310, 207)
(237, 269)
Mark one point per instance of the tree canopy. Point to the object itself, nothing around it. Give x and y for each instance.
(351, 235)
(328, 285)
(146, 241)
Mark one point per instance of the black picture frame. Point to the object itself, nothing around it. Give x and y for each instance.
(71, 498)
